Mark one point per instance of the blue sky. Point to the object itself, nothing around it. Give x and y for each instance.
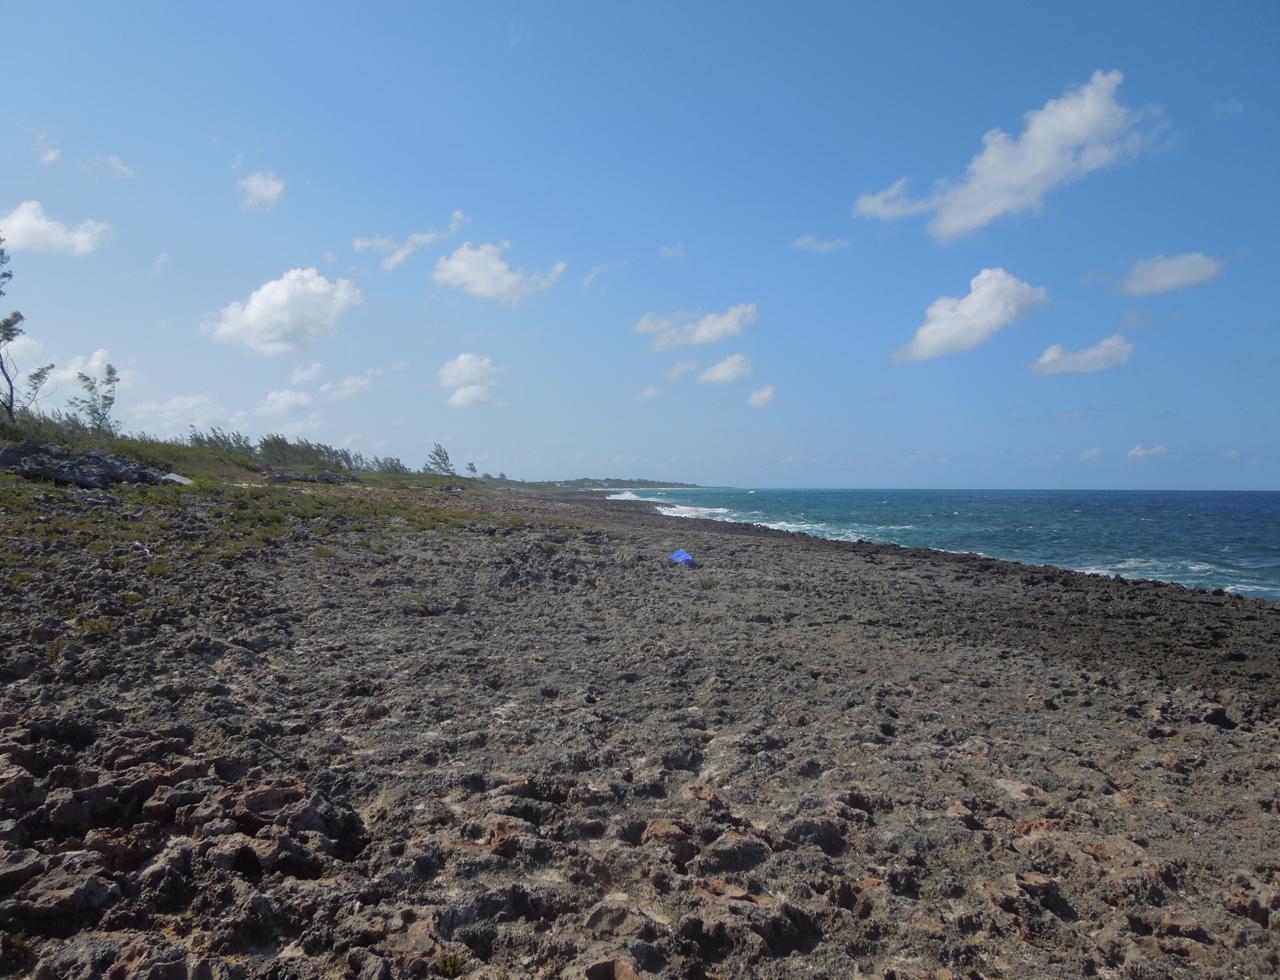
(505, 227)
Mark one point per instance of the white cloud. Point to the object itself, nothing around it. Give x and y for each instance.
(28, 227)
(675, 329)
(162, 262)
(1139, 451)
(411, 245)
(600, 270)
(118, 168)
(761, 397)
(283, 402)
(1228, 108)
(1164, 275)
(811, 243)
(400, 251)
(309, 423)
(1106, 353)
(260, 190)
(681, 368)
(482, 272)
(466, 369)
(471, 378)
(731, 368)
(1089, 455)
(350, 385)
(46, 152)
(1084, 130)
(65, 378)
(177, 414)
(287, 313)
(649, 392)
(21, 346)
(672, 253)
(952, 324)
(468, 396)
(305, 375)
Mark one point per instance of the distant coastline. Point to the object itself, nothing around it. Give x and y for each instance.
(1209, 540)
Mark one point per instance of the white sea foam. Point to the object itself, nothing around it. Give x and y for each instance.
(625, 495)
(708, 513)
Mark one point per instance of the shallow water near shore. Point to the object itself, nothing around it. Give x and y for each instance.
(1202, 539)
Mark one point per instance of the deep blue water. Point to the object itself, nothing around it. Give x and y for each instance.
(1228, 540)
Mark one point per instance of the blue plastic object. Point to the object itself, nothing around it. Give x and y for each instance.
(682, 557)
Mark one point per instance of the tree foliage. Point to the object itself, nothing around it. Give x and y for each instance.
(438, 462)
(10, 331)
(98, 400)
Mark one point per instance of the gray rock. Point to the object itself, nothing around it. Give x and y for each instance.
(76, 889)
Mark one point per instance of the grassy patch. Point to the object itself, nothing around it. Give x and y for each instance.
(98, 627)
(20, 578)
(451, 965)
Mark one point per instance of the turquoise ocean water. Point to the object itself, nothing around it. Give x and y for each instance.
(1208, 540)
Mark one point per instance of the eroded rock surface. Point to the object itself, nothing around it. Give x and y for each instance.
(533, 747)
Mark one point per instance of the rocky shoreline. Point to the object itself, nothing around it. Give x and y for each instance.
(517, 741)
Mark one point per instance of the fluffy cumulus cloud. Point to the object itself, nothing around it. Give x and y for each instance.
(1106, 353)
(176, 414)
(64, 379)
(760, 397)
(672, 253)
(400, 251)
(957, 323)
(1164, 275)
(483, 273)
(1067, 138)
(1139, 451)
(649, 393)
(260, 190)
(22, 347)
(680, 329)
(283, 402)
(286, 314)
(1089, 455)
(471, 378)
(732, 368)
(28, 228)
(811, 243)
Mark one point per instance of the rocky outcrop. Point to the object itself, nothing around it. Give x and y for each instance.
(527, 746)
(91, 470)
(324, 476)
